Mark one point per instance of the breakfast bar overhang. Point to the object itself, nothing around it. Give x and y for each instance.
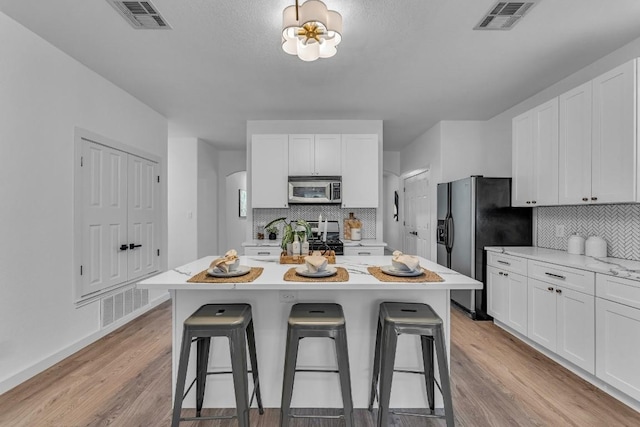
(271, 298)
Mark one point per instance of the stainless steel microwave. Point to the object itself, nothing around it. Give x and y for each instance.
(315, 189)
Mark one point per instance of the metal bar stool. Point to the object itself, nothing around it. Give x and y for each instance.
(316, 320)
(235, 322)
(416, 319)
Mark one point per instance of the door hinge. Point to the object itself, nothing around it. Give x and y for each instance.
(81, 270)
(158, 252)
(158, 178)
(81, 161)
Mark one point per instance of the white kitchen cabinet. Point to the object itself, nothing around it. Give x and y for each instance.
(507, 298)
(269, 171)
(315, 155)
(360, 171)
(364, 250)
(575, 146)
(618, 333)
(535, 156)
(614, 138)
(262, 250)
(560, 317)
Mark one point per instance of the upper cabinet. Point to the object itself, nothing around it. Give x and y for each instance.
(269, 171)
(535, 156)
(315, 155)
(360, 171)
(597, 153)
(614, 140)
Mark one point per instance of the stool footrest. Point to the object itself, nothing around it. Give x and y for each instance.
(212, 417)
(408, 371)
(414, 414)
(335, 371)
(328, 417)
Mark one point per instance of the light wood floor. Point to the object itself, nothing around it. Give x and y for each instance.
(125, 380)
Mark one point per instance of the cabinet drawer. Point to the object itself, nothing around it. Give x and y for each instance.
(567, 277)
(617, 289)
(507, 262)
(262, 251)
(363, 250)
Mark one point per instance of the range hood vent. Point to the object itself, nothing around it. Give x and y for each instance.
(504, 15)
(140, 14)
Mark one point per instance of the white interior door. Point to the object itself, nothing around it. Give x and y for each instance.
(144, 218)
(417, 208)
(104, 217)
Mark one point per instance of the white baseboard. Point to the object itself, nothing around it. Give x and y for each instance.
(49, 361)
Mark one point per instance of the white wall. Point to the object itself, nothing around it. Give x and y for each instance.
(44, 96)
(229, 163)
(235, 226)
(183, 200)
(209, 199)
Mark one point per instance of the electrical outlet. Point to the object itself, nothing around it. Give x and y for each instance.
(559, 230)
(288, 296)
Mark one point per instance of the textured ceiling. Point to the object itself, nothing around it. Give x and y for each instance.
(410, 63)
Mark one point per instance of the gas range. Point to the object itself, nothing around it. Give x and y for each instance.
(333, 241)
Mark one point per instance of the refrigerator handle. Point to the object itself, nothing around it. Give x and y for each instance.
(450, 233)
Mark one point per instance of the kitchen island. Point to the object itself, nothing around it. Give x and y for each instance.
(271, 298)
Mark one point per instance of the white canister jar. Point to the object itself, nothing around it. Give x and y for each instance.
(356, 234)
(576, 244)
(596, 247)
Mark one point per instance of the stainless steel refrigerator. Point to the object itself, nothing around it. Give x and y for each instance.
(473, 213)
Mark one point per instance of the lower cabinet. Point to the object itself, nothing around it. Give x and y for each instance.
(563, 321)
(618, 333)
(262, 251)
(363, 250)
(507, 298)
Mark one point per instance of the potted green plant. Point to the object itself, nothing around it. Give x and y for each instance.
(273, 232)
(288, 231)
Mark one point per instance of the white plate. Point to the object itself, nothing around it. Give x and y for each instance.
(328, 271)
(240, 271)
(389, 269)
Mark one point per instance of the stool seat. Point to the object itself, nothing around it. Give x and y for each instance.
(397, 318)
(316, 320)
(235, 322)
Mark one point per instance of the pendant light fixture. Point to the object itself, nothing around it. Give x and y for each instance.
(311, 31)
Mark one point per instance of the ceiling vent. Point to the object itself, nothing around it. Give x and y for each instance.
(140, 14)
(504, 15)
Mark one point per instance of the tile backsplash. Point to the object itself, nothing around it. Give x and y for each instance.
(619, 225)
(311, 212)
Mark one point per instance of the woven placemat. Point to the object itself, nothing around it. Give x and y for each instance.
(342, 275)
(426, 276)
(203, 277)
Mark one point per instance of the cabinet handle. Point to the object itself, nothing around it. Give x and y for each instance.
(585, 199)
(364, 253)
(506, 274)
(550, 289)
(501, 273)
(504, 262)
(263, 253)
(594, 198)
(559, 291)
(557, 276)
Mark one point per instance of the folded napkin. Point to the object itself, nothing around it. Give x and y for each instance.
(409, 261)
(315, 263)
(228, 262)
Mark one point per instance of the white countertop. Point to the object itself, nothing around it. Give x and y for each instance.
(610, 266)
(276, 243)
(272, 276)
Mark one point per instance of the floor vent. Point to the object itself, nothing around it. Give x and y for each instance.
(116, 306)
(142, 15)
(505, 15)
